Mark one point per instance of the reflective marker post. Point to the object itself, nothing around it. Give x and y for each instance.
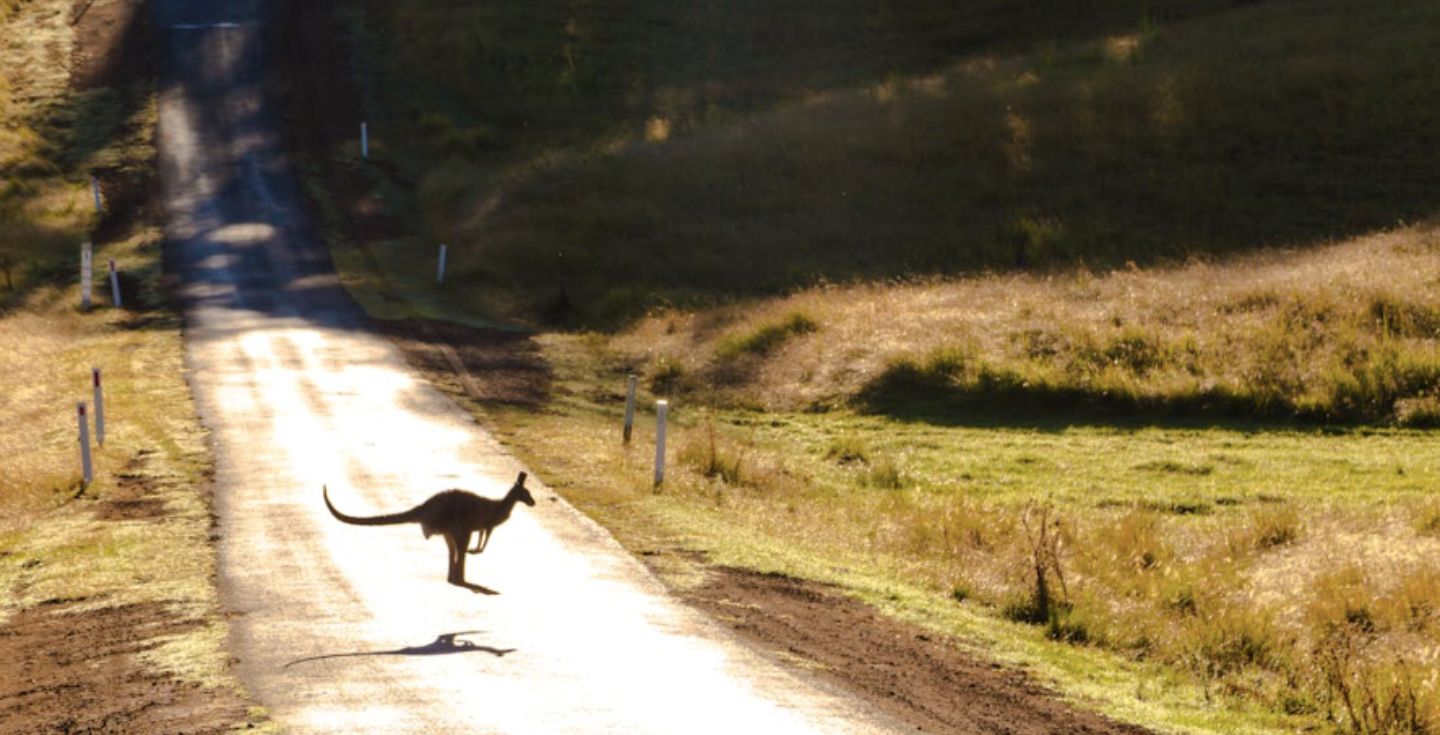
(86, 470)
(114, 285)
(440, 270)
(87, 259)
(99, 407)
(629, 406)
(661, 409)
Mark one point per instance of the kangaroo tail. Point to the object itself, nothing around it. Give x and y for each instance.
(408, 516)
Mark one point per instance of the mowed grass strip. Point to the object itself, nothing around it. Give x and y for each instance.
(140, 533)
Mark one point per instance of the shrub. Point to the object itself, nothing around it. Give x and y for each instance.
(848, 450)
(1375, 696)
(712, 457)
(767, 338)
(1427, 519)
(1231, 639)
(665, 376)
(883, 474)
(1270, 528)
(1043, 540)
(1394, 317)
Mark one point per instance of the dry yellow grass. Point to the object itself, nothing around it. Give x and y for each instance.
(1282, 324)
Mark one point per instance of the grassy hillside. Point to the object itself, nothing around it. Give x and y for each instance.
(1347, 332)
(592, 162)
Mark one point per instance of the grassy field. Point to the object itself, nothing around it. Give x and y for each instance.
(114, 542)
(593, 163)
(1101, 335)
(1231, 578)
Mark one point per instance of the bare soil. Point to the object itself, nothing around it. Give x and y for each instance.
(77, 672)
(923, 680)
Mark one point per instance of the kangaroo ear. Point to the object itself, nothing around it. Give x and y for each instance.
(520, 480)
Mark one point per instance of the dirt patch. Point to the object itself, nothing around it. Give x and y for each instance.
(133, 496)
(77, 672)
(489, 365)
(922, 680)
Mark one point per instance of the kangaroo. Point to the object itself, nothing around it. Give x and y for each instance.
(455, 514)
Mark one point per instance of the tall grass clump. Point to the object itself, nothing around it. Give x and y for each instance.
(765, 338)
(713, 457)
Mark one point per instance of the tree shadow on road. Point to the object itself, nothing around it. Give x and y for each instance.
(444, 644)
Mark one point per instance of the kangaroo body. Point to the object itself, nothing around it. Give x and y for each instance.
(454, 514)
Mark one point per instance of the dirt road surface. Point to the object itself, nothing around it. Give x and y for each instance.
(346, 629)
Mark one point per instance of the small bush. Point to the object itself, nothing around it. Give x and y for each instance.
(1394, 317)
(1230, 640)
(1272, 527)
(767, 338)
(1022, 608)
(1044, 541)
(848, 450)
(665, 376)
(1427, 519)
(1066, 626)
(712, 457)
(1373, 696)
(883, 474)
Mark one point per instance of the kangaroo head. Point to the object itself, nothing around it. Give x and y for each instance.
(520, 493)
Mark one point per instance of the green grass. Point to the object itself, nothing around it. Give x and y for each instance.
(595, 163)
(766, 338)
(1197, 561)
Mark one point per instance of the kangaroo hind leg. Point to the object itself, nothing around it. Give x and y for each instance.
(456, 560)
(482, 538)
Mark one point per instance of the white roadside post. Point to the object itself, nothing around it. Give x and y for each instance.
(114, 285)
(440, 270)
(99, 407)
(95, 192)
(364, 140)
(661, 409)
(629, 406)
(87, 258)
(86, 469)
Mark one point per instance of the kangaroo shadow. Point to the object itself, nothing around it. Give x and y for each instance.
(444, 644)
(478, 589)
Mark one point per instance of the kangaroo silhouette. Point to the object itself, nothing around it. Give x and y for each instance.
(455, 514)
